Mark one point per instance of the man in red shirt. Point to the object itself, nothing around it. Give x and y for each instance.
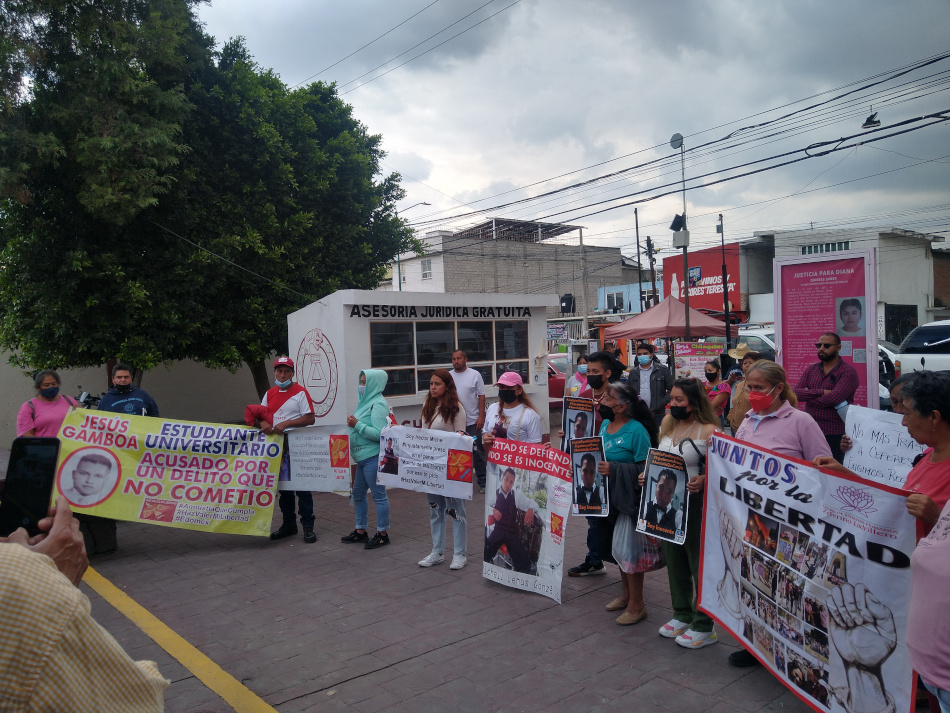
(289, 406)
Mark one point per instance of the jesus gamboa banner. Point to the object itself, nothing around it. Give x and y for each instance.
(811, 571)
(527, 499)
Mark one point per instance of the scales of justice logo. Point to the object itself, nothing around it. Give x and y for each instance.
(317, 371)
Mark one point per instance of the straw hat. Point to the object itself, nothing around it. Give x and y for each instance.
(740, 351)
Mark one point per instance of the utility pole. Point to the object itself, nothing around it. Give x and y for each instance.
(636, 220)
(725, 282)
(681, 233)
(584, 326)
(653, 296)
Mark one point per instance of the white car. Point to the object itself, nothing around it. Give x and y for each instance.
(926, 348)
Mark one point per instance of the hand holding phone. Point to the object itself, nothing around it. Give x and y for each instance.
(29, 485)
(60, 540)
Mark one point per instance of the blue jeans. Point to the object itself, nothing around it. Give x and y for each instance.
(438, 504)
(593, 540)
(366, 480)
(942, 696)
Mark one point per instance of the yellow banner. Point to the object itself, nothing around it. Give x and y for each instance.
(194, 476)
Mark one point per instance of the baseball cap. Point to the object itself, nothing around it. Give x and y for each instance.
(284, 361)
(510, 378)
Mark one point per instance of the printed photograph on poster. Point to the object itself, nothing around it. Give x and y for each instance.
(663, 500)
(90, 477)
(850, 311)
(389, 458)
(577, 420)
(590, 496)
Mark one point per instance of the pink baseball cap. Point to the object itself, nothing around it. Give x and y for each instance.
(510, 378)
(284, 361)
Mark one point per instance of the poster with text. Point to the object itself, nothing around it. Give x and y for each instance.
(690, 358)
(810, 570)
(438, 462)
(822, 293)
(577, 419)
(589, 490)
(527, 499)
(882, 450)
(195, 476)
(319, 460)
(664, 497)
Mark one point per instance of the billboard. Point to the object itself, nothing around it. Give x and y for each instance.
(704, 278)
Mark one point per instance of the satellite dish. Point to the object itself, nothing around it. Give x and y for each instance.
(676, 141)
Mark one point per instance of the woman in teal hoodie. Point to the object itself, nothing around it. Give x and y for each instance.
(371, 417)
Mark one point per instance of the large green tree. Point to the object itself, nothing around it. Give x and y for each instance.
(165, 202)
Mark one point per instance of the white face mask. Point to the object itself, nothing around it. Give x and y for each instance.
(361, 389)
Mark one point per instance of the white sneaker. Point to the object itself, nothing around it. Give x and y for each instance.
(673, 628)
(431, 559)
(697, 639)
(458, 561)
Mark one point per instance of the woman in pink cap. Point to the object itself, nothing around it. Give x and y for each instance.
(513, 416)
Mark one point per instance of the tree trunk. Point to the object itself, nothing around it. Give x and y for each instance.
(261, 377)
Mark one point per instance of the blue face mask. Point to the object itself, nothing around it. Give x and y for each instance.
(284, 384)
(644, 359)
(361, 389)
(50, 393)
(582, 368)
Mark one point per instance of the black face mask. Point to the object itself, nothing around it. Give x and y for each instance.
(679, 412)
(606, 412)
(507, 396)
(595, 380)
(123, 389)
(711, 375)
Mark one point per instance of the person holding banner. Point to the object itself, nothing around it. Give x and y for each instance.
(628, 431)
(774, 422)
(366, 423)
(685, 431)
(442, 411)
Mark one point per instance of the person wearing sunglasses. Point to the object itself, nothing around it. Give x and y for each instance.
(824, 386)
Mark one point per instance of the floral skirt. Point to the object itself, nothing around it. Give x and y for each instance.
(635, 551)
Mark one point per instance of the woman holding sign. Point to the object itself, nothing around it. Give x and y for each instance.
(513, 416)
(684, 431)
(442, 411)
(629, 431)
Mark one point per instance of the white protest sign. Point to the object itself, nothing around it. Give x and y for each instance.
(438, 462)
(810, 570)
(319, 460)
(883, 450)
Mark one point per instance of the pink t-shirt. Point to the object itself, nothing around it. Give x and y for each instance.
(786, 431)
(48, 417)
(932, 480)
(928, 626)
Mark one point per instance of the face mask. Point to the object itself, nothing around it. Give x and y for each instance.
(679, 412)
(582, 368)
(284, 384)
(507, 396)
(711, 375)
(595, 381)
(761, 400)
(361, 389)
(123, 389)
(606, 412)
(644, 359)
(50, 393)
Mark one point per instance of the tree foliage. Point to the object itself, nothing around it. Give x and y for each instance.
(163, 201)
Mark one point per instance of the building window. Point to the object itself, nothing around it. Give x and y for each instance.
(615, 301)
(391, 344)
(826, 247)
(427, 269)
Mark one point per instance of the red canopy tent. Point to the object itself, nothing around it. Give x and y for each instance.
(667, 319)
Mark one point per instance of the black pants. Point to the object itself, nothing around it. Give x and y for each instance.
(478, 454)
(519, 556)
(304, 507)
(834, 442)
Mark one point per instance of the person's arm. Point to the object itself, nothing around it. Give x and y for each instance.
(151, 408)
(801, 388)
(845, 386)
(812, 439)
(480, 421)
(667, 386)
(458, 423)
(379, 417)
(924, 509)
(307, 419)
(25, 421)
(59, 539)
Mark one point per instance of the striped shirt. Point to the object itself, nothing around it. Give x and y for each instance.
(53, 654)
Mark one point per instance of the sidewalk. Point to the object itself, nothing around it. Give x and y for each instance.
(333, 627)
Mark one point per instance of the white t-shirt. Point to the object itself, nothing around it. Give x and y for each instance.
(299, 404)
(438, 424)
(470, 386)
(516, 424)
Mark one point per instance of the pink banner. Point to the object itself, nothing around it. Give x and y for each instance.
(826, 296)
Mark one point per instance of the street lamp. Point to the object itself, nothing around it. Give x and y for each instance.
(398, 264)
(725, 284)
(681, 234)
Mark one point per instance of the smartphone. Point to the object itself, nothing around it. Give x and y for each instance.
(31, 473)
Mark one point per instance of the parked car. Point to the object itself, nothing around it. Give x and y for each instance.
(926, 348)
(559, 371)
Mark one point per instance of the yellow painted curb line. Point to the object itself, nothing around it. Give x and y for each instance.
(235, 693)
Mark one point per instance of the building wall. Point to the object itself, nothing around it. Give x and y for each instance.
(941, 263)
(631, 293)
(501, 266)
(755, 270)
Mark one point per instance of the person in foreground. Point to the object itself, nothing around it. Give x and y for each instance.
(686, 431)
(442, 411)
(53, 654)
(628, 431)
(366, 423)
(775, 423)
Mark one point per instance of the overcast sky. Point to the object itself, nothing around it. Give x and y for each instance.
(551, 87)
